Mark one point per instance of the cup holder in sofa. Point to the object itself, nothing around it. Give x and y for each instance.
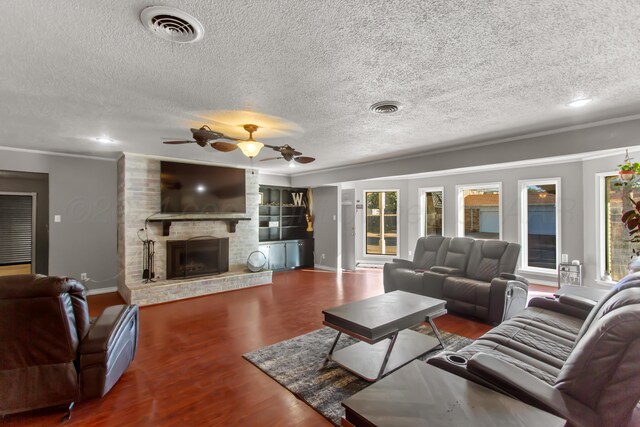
(456, 359)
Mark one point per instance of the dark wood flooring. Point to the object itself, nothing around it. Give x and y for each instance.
(189, 371)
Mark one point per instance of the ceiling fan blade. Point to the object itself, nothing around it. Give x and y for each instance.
(178, 142)
(297, 153)
(275, 147)
(271, 158)
(224, 146)
(304, 159)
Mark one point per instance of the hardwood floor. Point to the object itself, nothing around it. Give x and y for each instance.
(189, 369)
(10, 270)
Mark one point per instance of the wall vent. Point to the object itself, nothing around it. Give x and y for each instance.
(172, 24)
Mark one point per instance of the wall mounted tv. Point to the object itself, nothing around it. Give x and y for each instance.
(191, 188)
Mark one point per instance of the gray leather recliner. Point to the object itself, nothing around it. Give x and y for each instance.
(475, 277)
(573, 357)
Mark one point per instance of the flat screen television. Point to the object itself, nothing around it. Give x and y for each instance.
(191, 188)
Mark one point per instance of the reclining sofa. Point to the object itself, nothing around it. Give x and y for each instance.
(475, 277)
(572, 356)
(52, 353)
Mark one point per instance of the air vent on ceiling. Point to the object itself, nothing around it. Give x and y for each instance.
(385, 107)
(172, 24)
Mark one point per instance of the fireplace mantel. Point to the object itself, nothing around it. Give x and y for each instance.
(166, 222)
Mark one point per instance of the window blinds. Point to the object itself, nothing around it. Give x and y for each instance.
(16, 227)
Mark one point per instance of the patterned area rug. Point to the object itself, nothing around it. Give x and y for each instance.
(296, 365)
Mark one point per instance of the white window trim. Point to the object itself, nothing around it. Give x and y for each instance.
(460, 204)
(523, 221)
(364, 223)
(421, 194)
(600, 233)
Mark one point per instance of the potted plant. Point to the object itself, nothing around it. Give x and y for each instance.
(628, 171)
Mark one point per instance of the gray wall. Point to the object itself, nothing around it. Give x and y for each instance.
(600, 136)
(83, 192)
(325, 229)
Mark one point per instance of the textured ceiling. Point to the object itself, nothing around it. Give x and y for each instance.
(465, 71)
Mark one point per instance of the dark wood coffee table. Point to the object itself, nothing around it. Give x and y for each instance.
(375, 320)
(423, 395)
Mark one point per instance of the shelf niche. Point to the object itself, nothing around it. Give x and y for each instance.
(282, 214)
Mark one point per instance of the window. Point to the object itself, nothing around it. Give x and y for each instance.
(540, 224)
(480, 211)
(382, 222)
(615, 248)
(431, 211)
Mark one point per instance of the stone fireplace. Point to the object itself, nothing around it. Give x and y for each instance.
(198, 256)
(138, 213)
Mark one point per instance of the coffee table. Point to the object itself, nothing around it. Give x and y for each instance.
(381, 325)
(423, 395)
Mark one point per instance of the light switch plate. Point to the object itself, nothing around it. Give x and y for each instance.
(57, 218)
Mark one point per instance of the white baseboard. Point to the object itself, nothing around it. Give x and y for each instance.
(102, 290)
(369, 265)
(324, 267)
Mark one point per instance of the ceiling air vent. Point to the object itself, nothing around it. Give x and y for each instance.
(172, 24)
(385, 107)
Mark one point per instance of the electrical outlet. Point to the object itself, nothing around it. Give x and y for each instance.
(83, 276)
(322, 256)
(57, 218)
(409, 253)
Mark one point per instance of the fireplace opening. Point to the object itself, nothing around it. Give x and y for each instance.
(198, 256)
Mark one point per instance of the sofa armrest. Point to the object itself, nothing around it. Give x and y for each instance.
(578, 302)
(523, 386)
(107, 328)
(447, 270)
(506, 299)
(403, 262)
(510, 276)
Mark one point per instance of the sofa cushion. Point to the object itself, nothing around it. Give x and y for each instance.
(549, 321)
(429, 251)
(489, 258)
(538, 369)
(467, 290)
(458, 252)
(541, 345)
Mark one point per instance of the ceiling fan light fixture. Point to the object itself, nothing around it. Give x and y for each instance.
(250, 148)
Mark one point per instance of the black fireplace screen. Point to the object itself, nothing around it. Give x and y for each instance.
(198, 256)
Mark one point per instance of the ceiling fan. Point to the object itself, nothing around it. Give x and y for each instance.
(202, 137)
(288, 153)
(249, 147)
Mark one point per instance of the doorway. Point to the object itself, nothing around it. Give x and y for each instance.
(18, 228)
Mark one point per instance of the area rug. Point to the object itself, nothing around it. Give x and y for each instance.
(297, 365)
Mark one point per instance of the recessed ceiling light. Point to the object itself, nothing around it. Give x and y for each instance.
(200, 188)
(292, 165)
(105, 140)
(579, 102)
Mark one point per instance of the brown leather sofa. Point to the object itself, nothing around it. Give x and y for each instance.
(475, 277)
(572, 356)
(52, 354)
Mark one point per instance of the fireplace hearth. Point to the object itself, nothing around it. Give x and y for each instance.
(198, 256)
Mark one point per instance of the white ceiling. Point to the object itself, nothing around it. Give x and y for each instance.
(465, 71)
